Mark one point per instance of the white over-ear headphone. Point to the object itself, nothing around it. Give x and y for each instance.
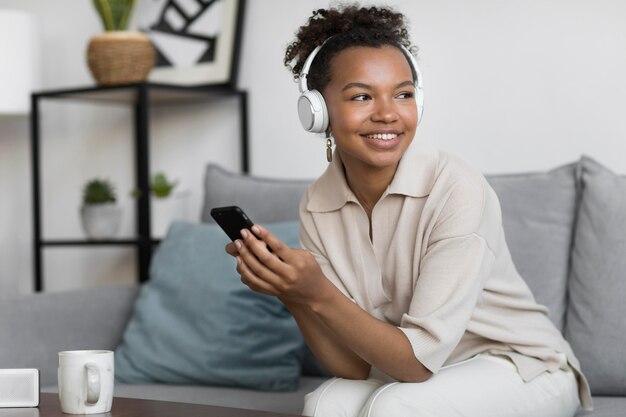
(312, 107)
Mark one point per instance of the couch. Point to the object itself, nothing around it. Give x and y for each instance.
(566, 229)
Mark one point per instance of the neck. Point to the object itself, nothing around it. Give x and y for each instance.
(368, 184)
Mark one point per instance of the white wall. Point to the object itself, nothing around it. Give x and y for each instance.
(511, 86)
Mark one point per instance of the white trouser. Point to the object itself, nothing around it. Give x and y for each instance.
(483, 386)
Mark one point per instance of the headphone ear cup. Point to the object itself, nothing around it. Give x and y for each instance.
(312, 111)
(419, 101)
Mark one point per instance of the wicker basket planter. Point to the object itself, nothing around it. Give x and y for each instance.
(120, 57)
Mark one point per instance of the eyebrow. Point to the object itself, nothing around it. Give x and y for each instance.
(368, 87)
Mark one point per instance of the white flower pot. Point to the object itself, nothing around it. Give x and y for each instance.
(101, 221)
(168, 209)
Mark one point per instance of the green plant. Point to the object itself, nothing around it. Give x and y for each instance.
(161, 187)
(99, 191)
(115, 14)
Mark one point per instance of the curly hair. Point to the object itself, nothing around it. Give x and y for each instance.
(343, 27)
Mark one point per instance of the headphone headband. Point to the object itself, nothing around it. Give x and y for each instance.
(303, 84)
(304, 73)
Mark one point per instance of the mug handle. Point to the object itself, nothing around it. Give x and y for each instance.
(93, 383)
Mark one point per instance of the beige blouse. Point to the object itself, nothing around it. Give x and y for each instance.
(437, 265)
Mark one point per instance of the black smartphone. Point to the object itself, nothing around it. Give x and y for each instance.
(231, 219)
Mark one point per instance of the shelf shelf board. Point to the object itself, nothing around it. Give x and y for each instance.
(105, 242)
(83, 242)
(157, 93)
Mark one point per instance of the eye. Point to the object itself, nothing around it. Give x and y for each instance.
(360, 97)
(406, 94)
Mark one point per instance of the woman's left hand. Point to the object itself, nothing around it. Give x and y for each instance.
(290, 274)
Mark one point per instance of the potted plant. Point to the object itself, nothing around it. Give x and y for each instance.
(101, 216)
(161, 187)
(119, 56)
(167, 205)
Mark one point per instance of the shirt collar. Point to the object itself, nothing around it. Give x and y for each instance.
(414, 178)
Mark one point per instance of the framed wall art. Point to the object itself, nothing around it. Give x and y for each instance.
(197, 41)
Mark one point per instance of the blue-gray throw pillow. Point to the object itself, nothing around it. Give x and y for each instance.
(194, 322)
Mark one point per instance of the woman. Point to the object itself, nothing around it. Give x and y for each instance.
(405, 288)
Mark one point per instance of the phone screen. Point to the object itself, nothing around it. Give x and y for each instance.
(231, 219)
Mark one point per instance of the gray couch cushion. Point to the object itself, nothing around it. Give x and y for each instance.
(264, 200)
(538, 214)
(35, 328)
(595, 320)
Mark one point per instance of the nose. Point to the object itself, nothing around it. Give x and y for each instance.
(384, 111)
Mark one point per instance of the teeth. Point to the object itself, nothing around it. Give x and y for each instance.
(383, 136)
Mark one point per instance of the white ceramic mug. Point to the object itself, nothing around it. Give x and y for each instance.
(86, 381)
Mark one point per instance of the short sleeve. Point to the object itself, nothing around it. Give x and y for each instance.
(453, 272)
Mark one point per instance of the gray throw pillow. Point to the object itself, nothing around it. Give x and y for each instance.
(264, 200)
(597, 289)
(538, 215)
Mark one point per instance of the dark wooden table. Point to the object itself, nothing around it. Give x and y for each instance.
(49, 406)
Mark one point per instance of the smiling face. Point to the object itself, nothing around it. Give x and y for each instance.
(371, 106)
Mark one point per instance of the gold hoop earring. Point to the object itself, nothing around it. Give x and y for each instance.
(329, 149)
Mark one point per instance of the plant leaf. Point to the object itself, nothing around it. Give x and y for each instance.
(104, 10)
(115, 14)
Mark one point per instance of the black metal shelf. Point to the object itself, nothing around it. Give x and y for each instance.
(140, 96)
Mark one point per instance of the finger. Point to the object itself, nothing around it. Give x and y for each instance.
(252, 281)
(260, 250)
(256, 266)
(231, 249)
(245, 232)
(277, 246)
